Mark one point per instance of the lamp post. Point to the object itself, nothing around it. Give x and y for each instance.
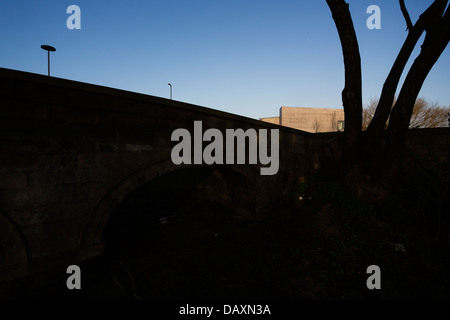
(170, 91)
(48, 49)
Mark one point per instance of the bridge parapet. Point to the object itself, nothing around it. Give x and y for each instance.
(70, 152)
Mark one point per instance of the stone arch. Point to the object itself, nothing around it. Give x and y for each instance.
(93, 229)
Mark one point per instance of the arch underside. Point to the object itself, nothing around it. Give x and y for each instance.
(232, 186)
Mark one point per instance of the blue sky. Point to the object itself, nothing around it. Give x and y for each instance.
(247, 57)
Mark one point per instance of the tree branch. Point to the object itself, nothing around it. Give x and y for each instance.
(436, 40)
(387, 96)
(409, 25)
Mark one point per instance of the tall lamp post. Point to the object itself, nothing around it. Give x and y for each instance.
(170, 91)
(48, 49)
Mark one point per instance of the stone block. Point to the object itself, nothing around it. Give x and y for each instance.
(59, 176)
(75, 115)
(51, 161)
(92, 190)
(12, 199)
(12, 179)
(122, 120)
(17, 109)
(7, 88)
(14, 161)
(41, 92)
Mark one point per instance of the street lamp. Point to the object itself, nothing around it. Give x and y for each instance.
(170, 91)
(48, 49)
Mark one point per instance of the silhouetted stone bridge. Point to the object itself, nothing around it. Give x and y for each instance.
(71, 152)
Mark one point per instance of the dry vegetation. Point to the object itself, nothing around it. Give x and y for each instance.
(425, 114)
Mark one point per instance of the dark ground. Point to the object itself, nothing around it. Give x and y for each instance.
(315, 248)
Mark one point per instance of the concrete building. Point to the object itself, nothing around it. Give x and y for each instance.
(310, 119)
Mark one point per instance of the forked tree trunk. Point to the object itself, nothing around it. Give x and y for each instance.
(371, 160)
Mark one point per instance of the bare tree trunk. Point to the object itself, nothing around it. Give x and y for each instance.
(436, 40)
(352, 93)
(383, 110)
(369, 164)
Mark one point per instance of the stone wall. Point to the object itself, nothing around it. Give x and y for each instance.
(70, 152)
(430, 145)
